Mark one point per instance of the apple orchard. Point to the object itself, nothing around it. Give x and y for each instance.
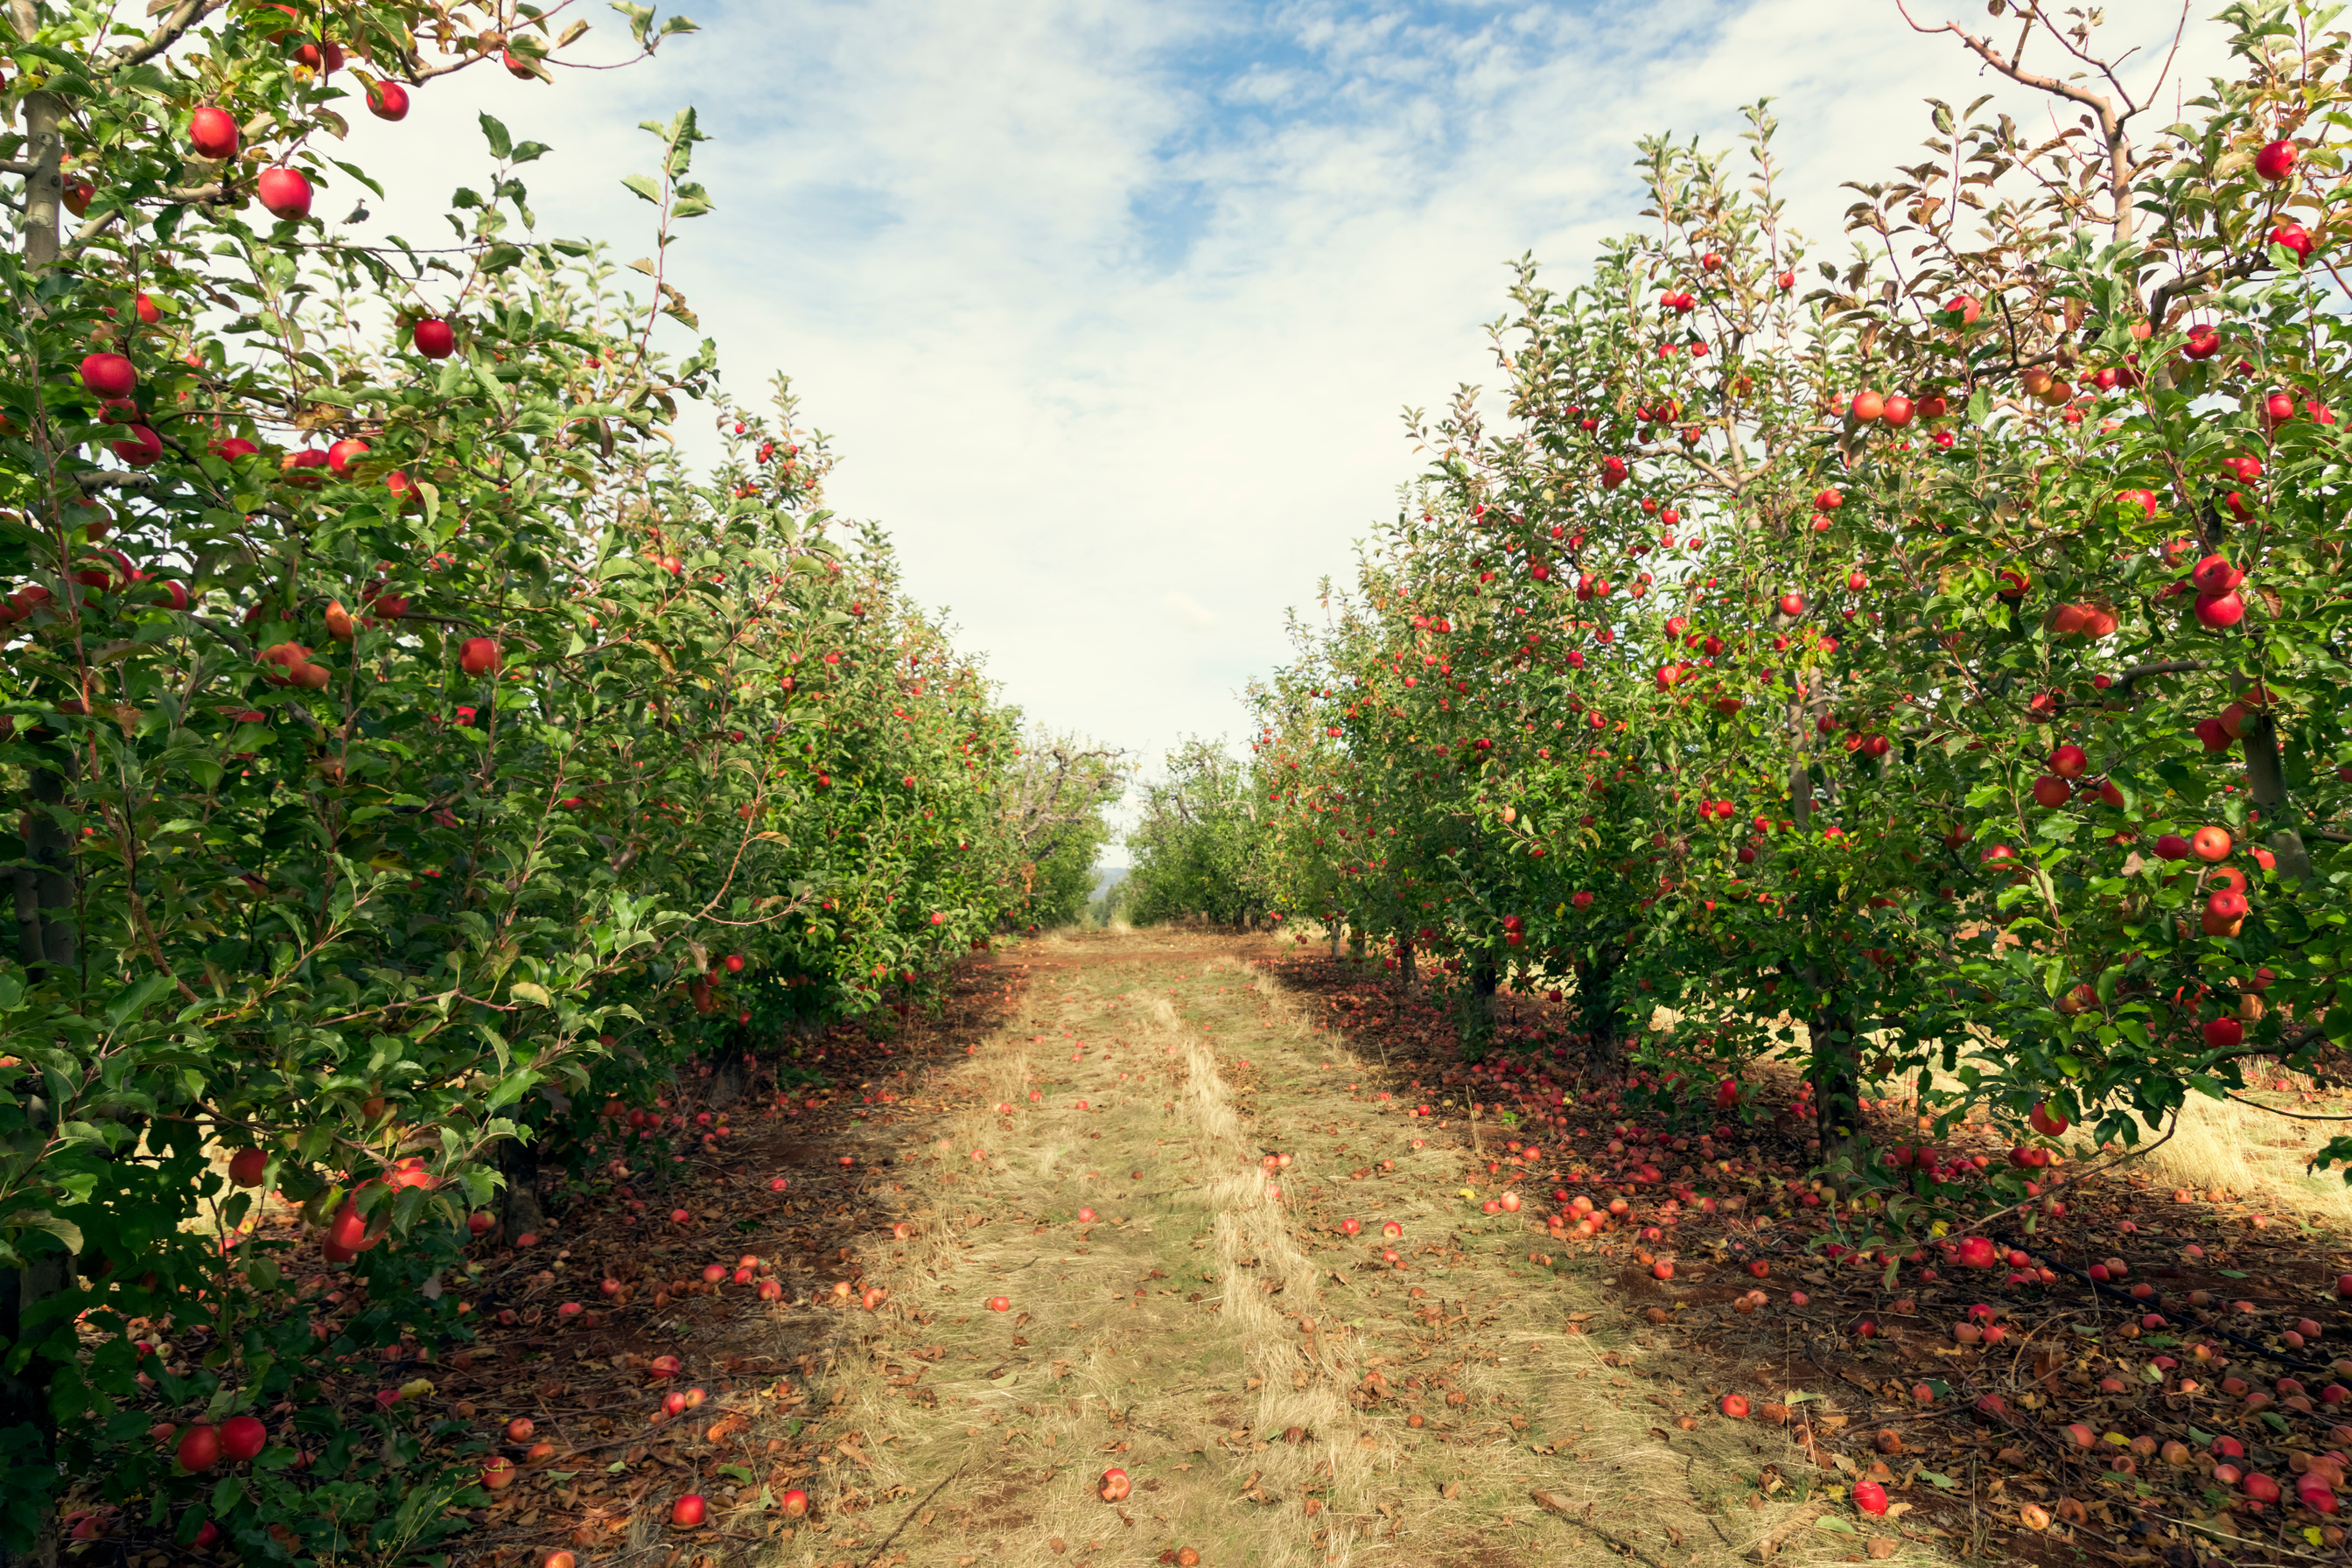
(1918, 669)
(418, 763)
(1921, 668)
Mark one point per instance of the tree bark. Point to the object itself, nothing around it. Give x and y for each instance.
(1478, 1005)
(729, 1078)
(1597, 1010)
(47, 938)
(44, 887)
(1836, 1072)
(2266, 782)
(518, 1210)
(25, 1395)
(1405, 962)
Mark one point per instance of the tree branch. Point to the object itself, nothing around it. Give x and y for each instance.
(185, 16)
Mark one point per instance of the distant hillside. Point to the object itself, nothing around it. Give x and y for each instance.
(1108, 877)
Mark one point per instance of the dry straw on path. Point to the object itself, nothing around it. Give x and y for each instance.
(1276, 1393)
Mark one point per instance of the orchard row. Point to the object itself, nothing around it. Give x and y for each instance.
(1932, 676)
(410, 743)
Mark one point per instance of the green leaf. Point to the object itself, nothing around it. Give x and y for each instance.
(512, 1088)
(501, 143)
(641, 18)
(134, 998)
(645, 185)
(356, 172)
(65, 1230)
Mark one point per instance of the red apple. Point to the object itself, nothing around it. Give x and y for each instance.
(285, 192)
(108, 375)
(141, 447)
(1736, 1406)
(212, 132)
(389, 100)
(343, 453)
(200, 1448)
(435, 338)
(793, 1504)
(687, 1511)
(520, 1429)
(2220, 612)
(2275, 161)
(480, 655)
(247, 1166)
(242, 1437)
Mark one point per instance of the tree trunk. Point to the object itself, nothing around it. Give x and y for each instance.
(1597, 1011)
(25, 1394)
(729, 1078)
(2266, 782)
(47, 940)
(1405, 970)
(518, 1210)
(1835, 1073)
(1478, 1006)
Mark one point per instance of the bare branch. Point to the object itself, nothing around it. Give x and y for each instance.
(185, 16)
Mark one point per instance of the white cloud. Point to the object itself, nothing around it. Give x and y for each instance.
(1107, 302)
(1189, 610)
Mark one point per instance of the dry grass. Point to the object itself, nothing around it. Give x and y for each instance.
(2248, 1151)
(1203, 1318)
(1599, 1435)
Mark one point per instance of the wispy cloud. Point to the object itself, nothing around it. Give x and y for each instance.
(1118, 303)
(1190, 611)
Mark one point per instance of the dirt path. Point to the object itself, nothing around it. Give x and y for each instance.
(1277, 1390)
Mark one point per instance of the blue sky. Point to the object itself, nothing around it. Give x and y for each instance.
(1112, 307)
